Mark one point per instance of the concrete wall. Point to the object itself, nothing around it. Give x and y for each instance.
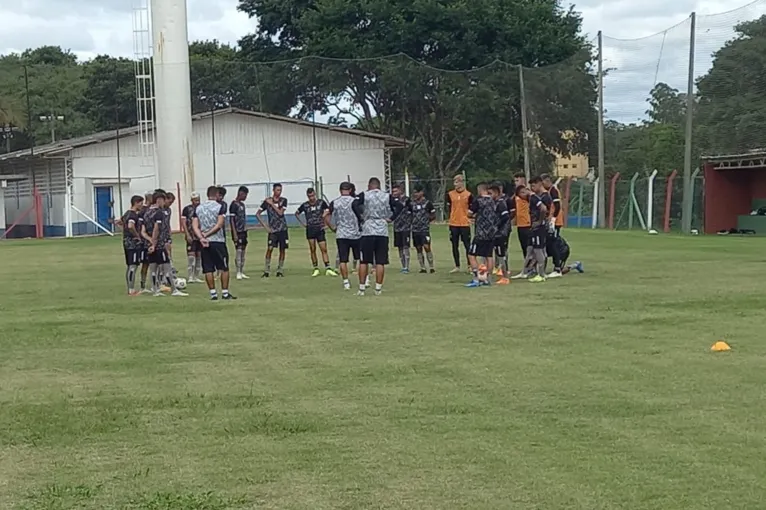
(47, 176)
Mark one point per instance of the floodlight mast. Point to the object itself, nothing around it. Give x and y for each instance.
(170, 115)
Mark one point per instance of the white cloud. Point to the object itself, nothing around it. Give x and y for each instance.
(91, 27)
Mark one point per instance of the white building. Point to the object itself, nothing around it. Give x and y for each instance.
(231, 147)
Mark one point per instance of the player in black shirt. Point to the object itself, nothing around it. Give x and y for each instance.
(132, 242)
(193, 248)
(539, 204)
(488, 216)
(275, 207)
(402, 227)
(238, 218)
(554, 217)
(423, 213)
(502, 235)
(170, 199)
(314, 212)
(155, 230)
(148, 202)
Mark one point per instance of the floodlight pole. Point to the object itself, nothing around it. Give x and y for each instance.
(52, 119)
(686, 217)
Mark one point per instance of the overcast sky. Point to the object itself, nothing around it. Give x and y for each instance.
(92, 27)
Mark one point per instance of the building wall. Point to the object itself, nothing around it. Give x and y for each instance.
(574, 166)
(249, 151)
(729, 194)
(48, 177)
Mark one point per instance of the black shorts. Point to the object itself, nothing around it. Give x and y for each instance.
(421, 239)
(456, 234)
(144, 257)
(374, 250)
(133, 256)
(401, 239)
(241, 240)
(523, 233)
(160, 256)
(345, 246)
(501, 246)
(215, 258)
(317, 234)
(279, 240)
(481, 248)
(193, 247)
(538, 238)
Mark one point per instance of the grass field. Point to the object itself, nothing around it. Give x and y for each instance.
(596, 391)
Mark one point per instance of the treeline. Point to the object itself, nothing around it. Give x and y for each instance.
(442, 81)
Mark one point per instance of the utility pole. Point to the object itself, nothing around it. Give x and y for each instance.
(601, 145)
(688, 200)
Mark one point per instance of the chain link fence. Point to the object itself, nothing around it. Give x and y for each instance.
(486, 117)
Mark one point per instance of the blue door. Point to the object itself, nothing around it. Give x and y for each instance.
(104, 206)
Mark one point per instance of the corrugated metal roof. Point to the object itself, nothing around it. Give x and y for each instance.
(391, 142)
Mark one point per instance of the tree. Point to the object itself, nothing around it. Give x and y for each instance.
(452, 114)
(222, 77)
(732, 99)
(666, 105)
(109, 97)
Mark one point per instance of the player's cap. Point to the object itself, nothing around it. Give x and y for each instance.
(195, 195)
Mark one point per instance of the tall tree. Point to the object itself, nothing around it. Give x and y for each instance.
(732, 95)
(109, 98)
(221, 77)
(450, 113)
(666, 105)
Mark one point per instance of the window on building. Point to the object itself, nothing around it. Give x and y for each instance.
(574, 165)
(566, 166)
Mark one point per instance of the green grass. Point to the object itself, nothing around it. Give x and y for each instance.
(596, 391)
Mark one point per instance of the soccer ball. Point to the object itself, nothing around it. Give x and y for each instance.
(180, 283)
(482, 275)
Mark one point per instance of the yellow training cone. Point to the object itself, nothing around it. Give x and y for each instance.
(720, 346)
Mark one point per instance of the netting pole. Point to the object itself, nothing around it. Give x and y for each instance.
(601, 152)
(686, 216)
(179, 205)
(524, 125)
(692, 186)
(38, 201)
(596, 205)
(612, 189)
(669, 199)
(68, 197)
(314, 145)
(650, 202)
(119, 168)
(212, 142)
(579, 206)
(634, 202)
(567, 194)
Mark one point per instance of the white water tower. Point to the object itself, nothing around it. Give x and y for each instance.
(163, 94)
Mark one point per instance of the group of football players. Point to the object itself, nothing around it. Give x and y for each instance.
(361, 226)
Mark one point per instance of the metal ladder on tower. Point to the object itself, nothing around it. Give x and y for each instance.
(142, 55)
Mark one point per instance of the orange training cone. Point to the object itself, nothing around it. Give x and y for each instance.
(720, 346)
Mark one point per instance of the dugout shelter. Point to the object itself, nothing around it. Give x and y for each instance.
(735, 185)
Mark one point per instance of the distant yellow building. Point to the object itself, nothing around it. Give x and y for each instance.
(576, 165)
